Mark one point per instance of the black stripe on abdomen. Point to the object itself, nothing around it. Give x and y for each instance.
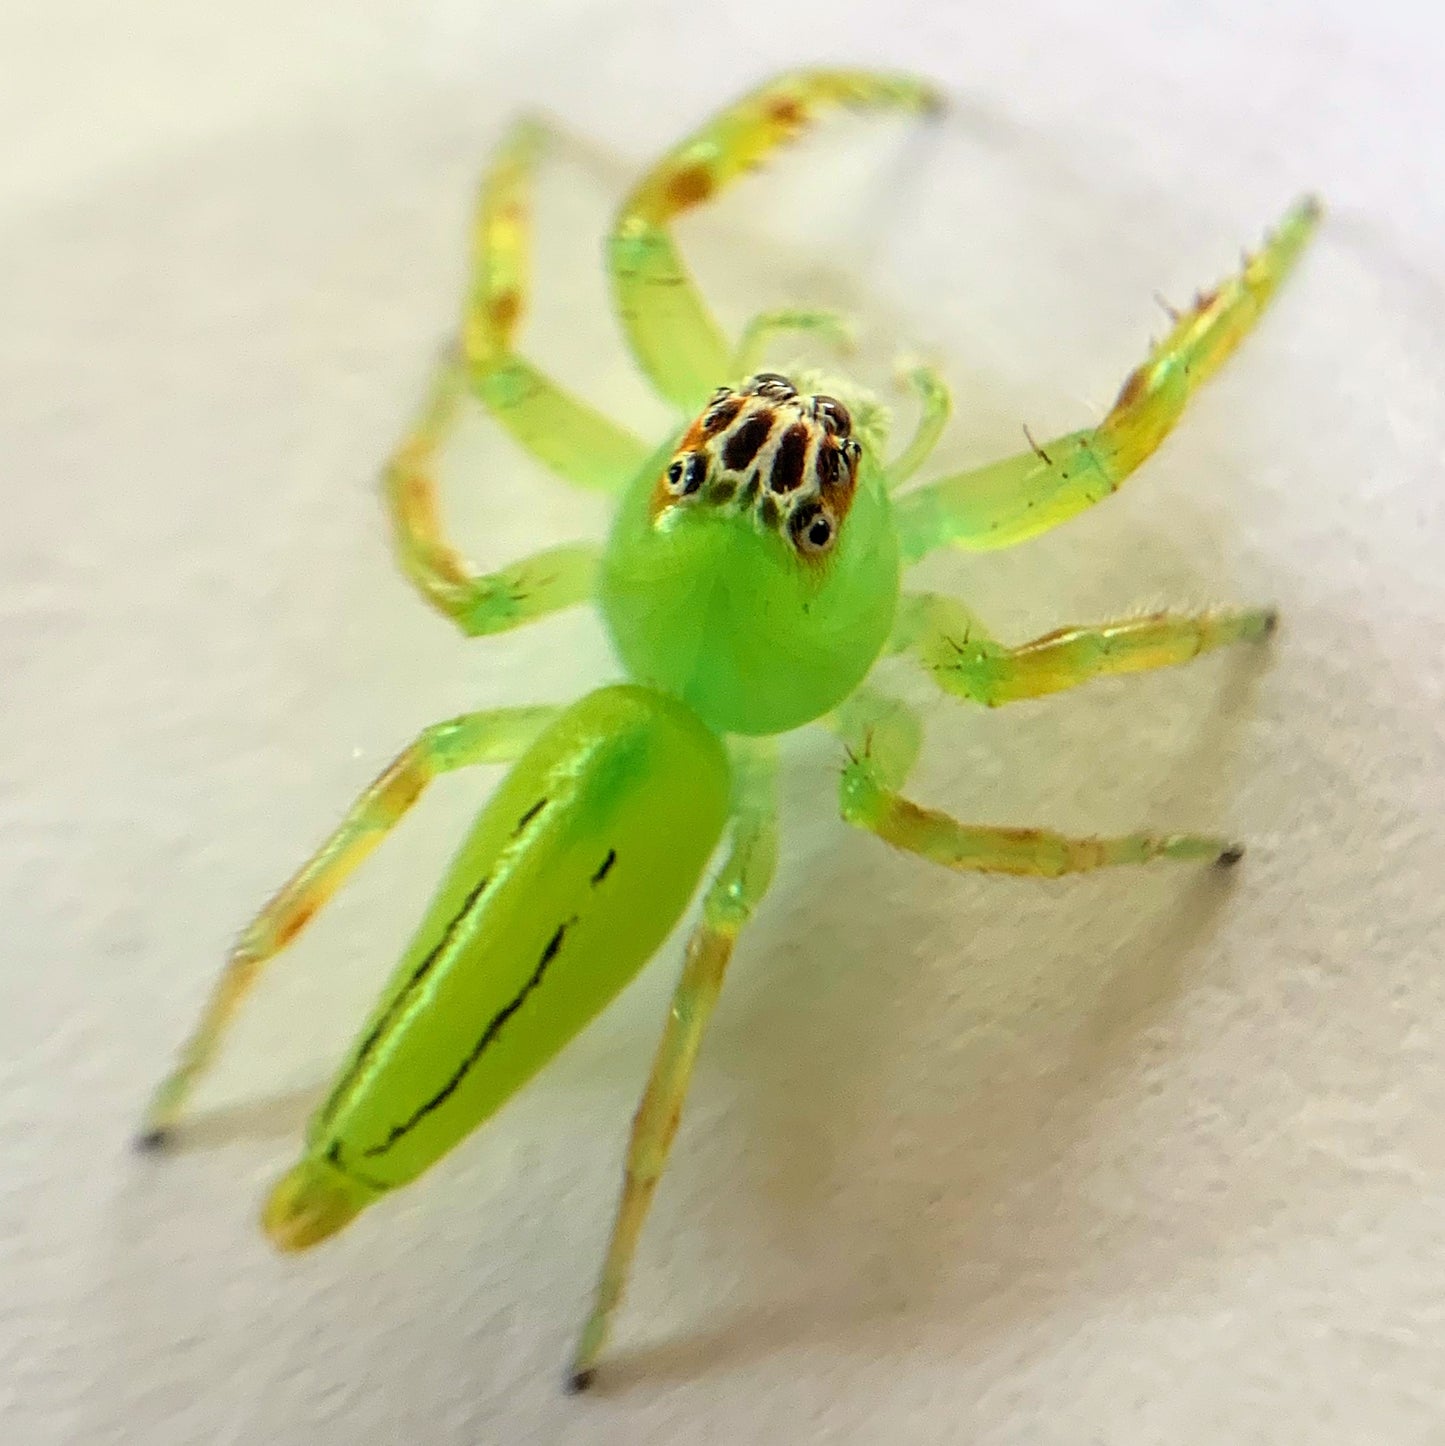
(398, 1005)
(489, 1034)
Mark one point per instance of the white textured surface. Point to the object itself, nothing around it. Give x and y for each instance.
(1132, 1159)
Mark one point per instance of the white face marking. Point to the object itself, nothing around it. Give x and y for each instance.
(789, 460)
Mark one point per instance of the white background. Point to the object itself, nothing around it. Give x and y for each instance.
(1136, 1158)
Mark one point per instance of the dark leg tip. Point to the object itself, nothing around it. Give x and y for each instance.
(580, 1381)
(1271, 622)
(1230, 856)
(152, 1142)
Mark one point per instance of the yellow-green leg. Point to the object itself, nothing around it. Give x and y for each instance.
(886, 730)
(869, 799)
(729, 904)
(576, 441)
(936, 405)
(477, 603)
(678, 343)
(764, 329)
(572, 438)
(496, 736)
(1019, 497)
(967, 662)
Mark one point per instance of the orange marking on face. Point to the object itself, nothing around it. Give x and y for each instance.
(693, 436)
(838, 496)
(689, 185)
(837, 480)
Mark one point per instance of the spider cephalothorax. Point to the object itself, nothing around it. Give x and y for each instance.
(789, 459)
(752, 570)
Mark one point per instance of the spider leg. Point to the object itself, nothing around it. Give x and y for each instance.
(678, 343)
(945, 638)
(496, 736)
(767, 326)
(730, 901)
(884, 730)
(1021, 496)
(478, 604)
(572, 438)
(936, 405)
(868, 799)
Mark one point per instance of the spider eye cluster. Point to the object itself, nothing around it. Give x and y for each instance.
(787, 459)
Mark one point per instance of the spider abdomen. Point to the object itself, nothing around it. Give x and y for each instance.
(571, 877)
